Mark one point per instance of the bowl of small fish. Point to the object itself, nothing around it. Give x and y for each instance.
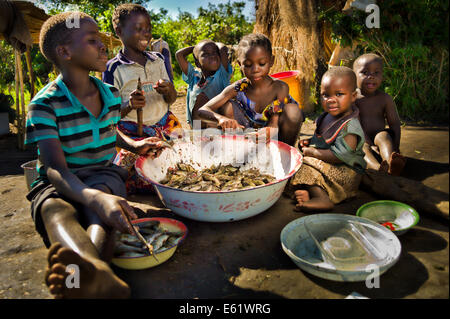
(221, 178)
(163, 234)
(396, 216)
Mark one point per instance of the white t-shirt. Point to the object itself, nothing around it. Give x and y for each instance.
(125, 73)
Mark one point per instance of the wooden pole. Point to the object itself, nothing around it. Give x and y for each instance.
(16, 85)
(30, 71)
(22, 102)
(139, 112)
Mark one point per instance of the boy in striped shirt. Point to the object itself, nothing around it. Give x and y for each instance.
(77, 201)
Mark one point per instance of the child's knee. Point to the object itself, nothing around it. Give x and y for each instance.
(293, 114)
(56, 210)
(383, 137)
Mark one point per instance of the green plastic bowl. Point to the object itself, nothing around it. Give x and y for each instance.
(398, 216)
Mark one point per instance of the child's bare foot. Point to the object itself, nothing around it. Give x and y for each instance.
(301, 196)
(396, 164)
(307, 204)
(97, 280)
(384, 167)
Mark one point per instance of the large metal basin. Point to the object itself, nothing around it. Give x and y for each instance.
(275, 158)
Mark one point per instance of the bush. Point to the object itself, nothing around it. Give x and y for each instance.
(413, 42)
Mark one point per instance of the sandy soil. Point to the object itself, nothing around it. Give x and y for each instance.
(242, 259)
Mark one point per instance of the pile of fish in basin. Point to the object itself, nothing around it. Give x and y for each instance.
(274, 159)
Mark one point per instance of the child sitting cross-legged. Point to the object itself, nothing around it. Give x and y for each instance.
(78, 200)
(333, 160)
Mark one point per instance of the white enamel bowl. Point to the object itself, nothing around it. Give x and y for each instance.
(275, 158)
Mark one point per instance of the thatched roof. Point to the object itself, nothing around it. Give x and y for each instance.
(34, 18)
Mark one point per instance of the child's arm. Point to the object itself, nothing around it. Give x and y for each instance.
(110, 208)
(282, 91)
(393, 121)
(327, 155)
(223, 50)
(151, 146)
(181, 56)
(273, 121)
(209, 110)
(282, 95)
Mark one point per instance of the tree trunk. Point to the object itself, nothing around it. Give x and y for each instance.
(291, 26)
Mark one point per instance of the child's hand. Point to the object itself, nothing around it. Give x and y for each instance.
(309, 151)
(227, 123)
(113, 210)
(163, 87)
(151, 146)
(137, 99)
(303, 143)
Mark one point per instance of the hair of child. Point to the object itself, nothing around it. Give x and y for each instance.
(369, 56)
(56, 31)
(124, 11)
(342, 71)
(254, 40)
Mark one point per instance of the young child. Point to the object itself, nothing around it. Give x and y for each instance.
(215, 74)
(333, 158)
(77, 201)
(132, 24)
(375, 108)
(257, 101)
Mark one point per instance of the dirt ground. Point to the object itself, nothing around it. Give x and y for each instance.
(242, 259)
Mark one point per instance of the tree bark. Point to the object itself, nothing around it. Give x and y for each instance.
(291, 26)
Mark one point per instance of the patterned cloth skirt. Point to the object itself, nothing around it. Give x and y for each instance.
(339, 181)
(168, 124)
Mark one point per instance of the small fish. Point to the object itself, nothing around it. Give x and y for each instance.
(212, 178)
(130, 240)
(215, 178)
(160, 241)
(149, 224)
(175, 233)
(150, 239)
(258, 182)
(122, 247)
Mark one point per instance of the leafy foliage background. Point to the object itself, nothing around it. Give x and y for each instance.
(413, 41)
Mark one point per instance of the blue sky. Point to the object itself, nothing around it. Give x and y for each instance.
(192, 5)
(188, 5)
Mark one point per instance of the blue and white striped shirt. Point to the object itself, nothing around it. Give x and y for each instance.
(86, 140)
